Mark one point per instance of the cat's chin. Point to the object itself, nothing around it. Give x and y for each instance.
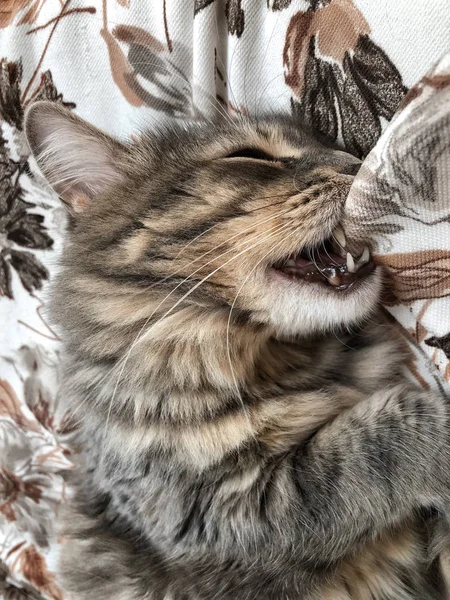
(321, 288)
(298, 307)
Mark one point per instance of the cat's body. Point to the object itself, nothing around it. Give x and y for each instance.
(234, 529)
(238, 443)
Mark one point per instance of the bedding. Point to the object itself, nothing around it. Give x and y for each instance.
(345, 66)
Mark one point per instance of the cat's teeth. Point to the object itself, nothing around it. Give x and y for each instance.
(365, 256)
(290, 263)
(351, 263)
(340, 237)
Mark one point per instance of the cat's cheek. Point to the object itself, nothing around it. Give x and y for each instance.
(295, 308)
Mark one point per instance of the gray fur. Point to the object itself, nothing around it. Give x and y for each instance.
(264, 482)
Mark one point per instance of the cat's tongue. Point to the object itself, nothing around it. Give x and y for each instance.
(328, 267)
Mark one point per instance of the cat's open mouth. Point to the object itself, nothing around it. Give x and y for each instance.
(328, 263)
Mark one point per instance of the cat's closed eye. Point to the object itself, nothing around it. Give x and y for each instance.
(254, 153)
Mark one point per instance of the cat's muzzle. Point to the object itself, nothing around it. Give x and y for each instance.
(329, 263)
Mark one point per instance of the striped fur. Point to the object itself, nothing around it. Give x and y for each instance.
(242, 439)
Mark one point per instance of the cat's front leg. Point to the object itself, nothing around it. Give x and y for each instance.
(370, 468)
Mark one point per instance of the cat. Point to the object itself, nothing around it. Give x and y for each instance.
(247, 430)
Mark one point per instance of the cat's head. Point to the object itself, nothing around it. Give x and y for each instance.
(243, 215)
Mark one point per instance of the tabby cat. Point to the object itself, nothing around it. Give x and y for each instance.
(246, 428)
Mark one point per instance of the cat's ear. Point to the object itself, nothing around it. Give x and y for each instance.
(78, 160)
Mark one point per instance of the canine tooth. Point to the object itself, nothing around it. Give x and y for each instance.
(290, 263)
(364, 258)
(335, 280)
(351, 263)
(340, 237)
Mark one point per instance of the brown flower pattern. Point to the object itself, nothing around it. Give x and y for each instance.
(431, 268)
(32, 461)
(443, 343)
(329, 62)
(278, 4)
(401, 199)
(11, 9)
(341, 83)
(145, 75)
(31, 487)
(22, 229)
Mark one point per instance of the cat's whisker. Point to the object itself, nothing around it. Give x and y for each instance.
(328, 254)
(261, 234)
(263, 92)
(340, 341)
(118, 364)
(233, 374)
(257, 223)
(315, 263)
(186, 295)
(168, 277)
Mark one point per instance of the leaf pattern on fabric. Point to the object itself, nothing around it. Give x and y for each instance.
(201, 4)
(46, 90)
(9, 12)
(403, 187)
(361, 125)
(443, 343)
(11, 592)
(235, 17)
(32, 461)
(29, 467)
(20, 227)
(11, 109)
(278, 4)
(436, 81)
(408, 175)
(377, 77)
(430, 267)
(39, 582)
(31, 15)
(121, 70)
(36, 572)
(146, 76)
(343, 83)
(336, 77)
(319, 96)
(10, 408)
(31, 476)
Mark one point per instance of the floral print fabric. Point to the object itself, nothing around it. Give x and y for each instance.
(341, 65)
(401, 201)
